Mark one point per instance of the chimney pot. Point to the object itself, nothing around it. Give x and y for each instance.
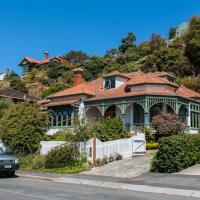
(46, 56)
(78, 76)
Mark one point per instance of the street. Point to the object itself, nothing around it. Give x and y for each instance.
(29, 189)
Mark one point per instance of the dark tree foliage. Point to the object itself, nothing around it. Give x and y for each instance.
(15, 82)
(22, 128)
(76, 56)
(172, 33)
(127, 42)
(192, 49)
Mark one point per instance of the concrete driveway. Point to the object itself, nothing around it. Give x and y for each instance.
(124, 168)
(194, 170)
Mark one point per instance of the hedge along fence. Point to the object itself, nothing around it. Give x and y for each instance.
(176, 153)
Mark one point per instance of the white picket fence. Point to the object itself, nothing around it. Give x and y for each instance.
(126, 147)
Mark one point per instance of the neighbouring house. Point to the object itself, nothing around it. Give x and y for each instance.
(17, 96)
(3, 75)
(135, 97)
(181, 30)
(28, 63)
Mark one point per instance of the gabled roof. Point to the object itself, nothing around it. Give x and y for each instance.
(89, 88)
(39, 62)
(15, 94)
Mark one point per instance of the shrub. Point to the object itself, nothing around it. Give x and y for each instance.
(151, 146)
(110, 129)
(176, 153)
(22, 127)
(62, 156)
(166, 123)
(32, 162)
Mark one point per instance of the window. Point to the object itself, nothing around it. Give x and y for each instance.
(109, 83)
(61, 119)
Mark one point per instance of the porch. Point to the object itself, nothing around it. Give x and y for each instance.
(139, 112)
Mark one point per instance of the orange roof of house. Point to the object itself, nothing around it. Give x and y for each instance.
(60, 103)
(96, 91)
(39, 62)
(89, 88)
(185, 92)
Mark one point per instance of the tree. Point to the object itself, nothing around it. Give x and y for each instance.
(156, 42)
(93, 68)
(76, 56)
(167, 123)
(15, 82)
(173, 60)
(172, 33)
(127, 42)
(22, 127)
(4, 105)
(110, 129)
(192, 39)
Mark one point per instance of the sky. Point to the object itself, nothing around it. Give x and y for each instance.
(31, 27)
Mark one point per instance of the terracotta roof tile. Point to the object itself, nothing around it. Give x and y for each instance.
(183, 91)
(89, 88)
(96, 91)
(116, 73)
(60, 103)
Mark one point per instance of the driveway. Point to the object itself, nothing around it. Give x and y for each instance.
(124, 168)
(194, 170)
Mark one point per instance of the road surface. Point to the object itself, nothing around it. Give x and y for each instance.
(29, 189)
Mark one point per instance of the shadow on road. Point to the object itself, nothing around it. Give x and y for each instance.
(3, 176)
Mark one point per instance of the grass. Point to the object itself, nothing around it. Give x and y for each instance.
(36, 162)
(62, 170)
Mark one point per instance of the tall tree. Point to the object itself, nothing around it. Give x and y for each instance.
(192, 38)
(172, 33)
(127, 42)
(76, 56)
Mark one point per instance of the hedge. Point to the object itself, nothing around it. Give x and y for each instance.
(62, 156)
(176, 153)
(151, 146)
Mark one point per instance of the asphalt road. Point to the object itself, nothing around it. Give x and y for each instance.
(29, 189)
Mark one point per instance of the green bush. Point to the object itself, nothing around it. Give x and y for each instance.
(151, 146)
(22, 128)
(32, 162)
(110, 129)
(62, 156)
(176, 153)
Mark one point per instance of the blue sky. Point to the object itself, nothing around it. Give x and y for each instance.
(30, 27)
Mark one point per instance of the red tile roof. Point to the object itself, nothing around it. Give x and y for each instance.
(60, 103)
(89, 88)
(185, 92)
(39, 62)
(95, 90)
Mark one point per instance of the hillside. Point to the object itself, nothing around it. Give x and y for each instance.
(178, 54)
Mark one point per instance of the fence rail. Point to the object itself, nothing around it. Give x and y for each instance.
(95, 149)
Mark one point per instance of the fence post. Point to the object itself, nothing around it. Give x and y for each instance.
(94, 150)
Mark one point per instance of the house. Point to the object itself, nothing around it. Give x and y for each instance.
(28, 63)
(135, 97)
(181, 30)
(16, 96)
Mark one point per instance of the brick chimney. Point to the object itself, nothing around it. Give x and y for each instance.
(46, 56)
(78, 76)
